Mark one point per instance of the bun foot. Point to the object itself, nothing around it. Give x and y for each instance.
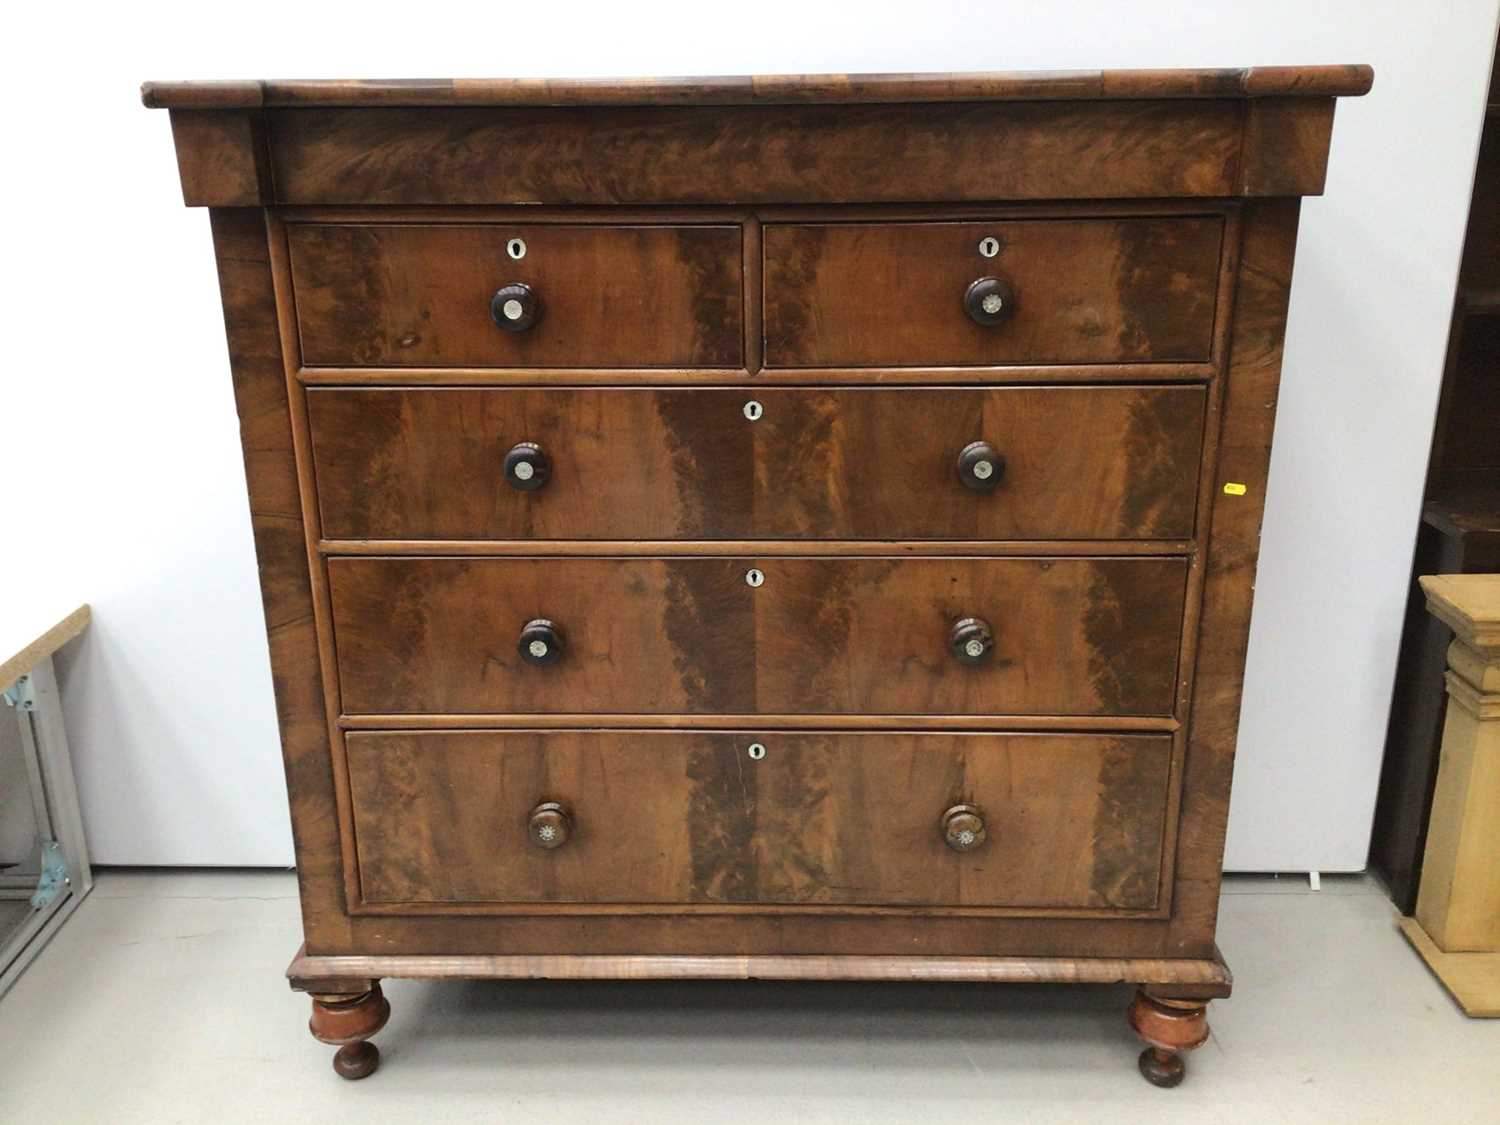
(347, 1020)
(359, 1060)
(1162, 1068)
(1168, 1026)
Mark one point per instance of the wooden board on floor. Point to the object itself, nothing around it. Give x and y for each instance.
(1473, 979)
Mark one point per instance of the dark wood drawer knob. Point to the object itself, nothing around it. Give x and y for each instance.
(990, 301)
(971, 640)
(515, 308)
(963, 828)
(980, 466)
(527, 467)
(541, 642)
(549, 826)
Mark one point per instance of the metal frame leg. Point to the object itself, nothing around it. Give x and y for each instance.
(66, 877)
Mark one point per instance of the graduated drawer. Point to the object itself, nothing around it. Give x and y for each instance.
(817, 636)
(692, 817)
(1099, 462)
(1103, 290)
(390, 295)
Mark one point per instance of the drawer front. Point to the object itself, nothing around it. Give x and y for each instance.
(817, 636)
(1072, 463)
(1081, 291)
(691, 817)
(390, 295)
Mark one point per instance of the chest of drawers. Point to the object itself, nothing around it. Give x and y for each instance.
(780, 528)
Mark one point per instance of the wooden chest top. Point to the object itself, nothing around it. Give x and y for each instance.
(792, 139)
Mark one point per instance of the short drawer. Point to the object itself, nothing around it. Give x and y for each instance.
(1068, 636)
(403, 295)
(812, 819)
(1100, 462)
(1071, 291)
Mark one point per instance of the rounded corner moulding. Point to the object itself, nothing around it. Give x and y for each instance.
(1347, 80)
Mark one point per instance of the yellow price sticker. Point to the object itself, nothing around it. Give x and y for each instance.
(1234, 489)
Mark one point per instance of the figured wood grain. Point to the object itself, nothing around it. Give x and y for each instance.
(912, 930)
(1080, 463)
(821, 636)
(1207, 977)
(584, 548)
(1050, 85)
(819, 821)
(222, 158)
(1243, 452)
(420, 294)
(260, 391)
(1086, 291)
(1191, 636)
(281, 281)
(1286, 146)
(966, 151)
(921, 149)
(765, 720)
(754, 285)
(1008, 375)
(720, 213)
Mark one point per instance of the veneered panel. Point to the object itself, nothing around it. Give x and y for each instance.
(1079, 463)
(821, 819)
(821, 636)
(416, 294)
(1086, 291)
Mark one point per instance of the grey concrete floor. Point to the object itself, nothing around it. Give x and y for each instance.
(162, 1000)
(12, 913)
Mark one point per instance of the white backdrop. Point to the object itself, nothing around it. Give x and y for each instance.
(117, 400)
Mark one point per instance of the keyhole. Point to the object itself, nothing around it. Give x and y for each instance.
(756, 751)
(516, 248)
(753, 410)
(989, 247)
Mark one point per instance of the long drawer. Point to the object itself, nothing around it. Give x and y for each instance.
(1099, 290)
(415, 294)
(1051, 636)
(775, 818)
(816, 463)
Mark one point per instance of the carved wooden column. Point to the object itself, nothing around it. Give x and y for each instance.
(1457, 926)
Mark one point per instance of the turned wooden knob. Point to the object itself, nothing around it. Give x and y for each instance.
(541, 642)
(549, 826)
(990, 301)
(527, 467)
(515, 307)
(980, 466)
(971, 639)
(963, 828)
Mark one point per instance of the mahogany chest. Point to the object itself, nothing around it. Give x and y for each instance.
(778, 527)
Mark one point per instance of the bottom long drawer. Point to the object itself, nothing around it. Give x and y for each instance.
(683, 817)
